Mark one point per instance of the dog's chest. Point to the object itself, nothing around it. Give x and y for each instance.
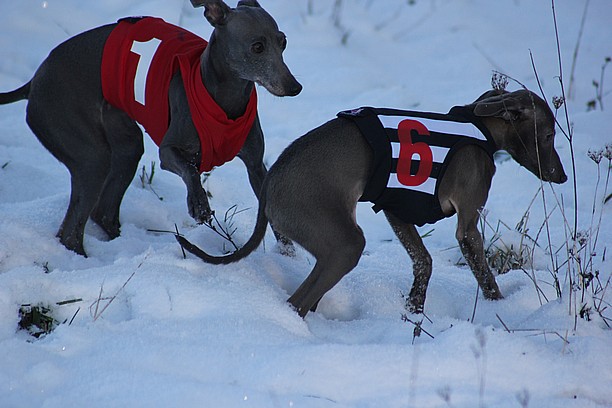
(411, 154)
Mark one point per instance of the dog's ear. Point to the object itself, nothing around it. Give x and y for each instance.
(500, 106)
(490, 93)
(215, 11)
(249, 3)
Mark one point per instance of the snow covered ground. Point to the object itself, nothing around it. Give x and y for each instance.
(181, 333)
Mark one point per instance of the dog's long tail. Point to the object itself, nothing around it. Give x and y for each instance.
(16, 95)
(258, 234)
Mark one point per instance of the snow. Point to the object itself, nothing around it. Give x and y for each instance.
(180, 333)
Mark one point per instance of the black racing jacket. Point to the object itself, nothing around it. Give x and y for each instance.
(411, 153)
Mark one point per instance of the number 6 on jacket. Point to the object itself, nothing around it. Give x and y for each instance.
(409, 149)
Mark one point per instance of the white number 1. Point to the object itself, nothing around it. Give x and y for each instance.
(145, 50)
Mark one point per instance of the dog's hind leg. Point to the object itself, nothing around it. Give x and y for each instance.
(337, 248)
(87, 175)
(79, 144)
(86, 183)
(125, 138)
(421, 261)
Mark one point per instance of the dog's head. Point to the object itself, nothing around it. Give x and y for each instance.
(250, 44)
(522, 124)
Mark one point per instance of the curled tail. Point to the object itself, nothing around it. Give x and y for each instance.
(16, 95)
(258, 234)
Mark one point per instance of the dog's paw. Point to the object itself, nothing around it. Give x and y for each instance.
(414, 307)
(72, 242)
(111, 227)
(205, 217)
(493, 294)
(199, 209)
(286, 247)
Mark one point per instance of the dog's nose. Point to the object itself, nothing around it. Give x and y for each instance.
(556, 177)
(295, 89)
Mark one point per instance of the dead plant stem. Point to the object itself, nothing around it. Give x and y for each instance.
(570, 92)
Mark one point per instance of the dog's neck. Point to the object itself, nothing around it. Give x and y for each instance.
(498, 130)
(229, 91)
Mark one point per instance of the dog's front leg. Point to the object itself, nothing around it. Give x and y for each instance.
(180, 152)
(470, 242)
(183, 161)
(251, 154)
(421, 261)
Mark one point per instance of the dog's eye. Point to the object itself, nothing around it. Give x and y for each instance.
(257, 47)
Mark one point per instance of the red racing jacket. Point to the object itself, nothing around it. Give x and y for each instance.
(139, 59)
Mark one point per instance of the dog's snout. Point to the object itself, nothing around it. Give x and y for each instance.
(295, 89)
(556, 176)
(289, 86)
(562, 178)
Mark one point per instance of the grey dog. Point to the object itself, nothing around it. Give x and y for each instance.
(311, 192)
(101, 144)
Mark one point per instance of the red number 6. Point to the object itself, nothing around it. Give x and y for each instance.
(409, 149)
